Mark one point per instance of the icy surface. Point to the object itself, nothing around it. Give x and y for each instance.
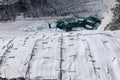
(84, 55)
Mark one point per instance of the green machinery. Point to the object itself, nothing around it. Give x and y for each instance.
(89, 23)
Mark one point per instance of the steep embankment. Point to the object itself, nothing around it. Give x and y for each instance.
(116, 21)
(108, 13)
(43, 8)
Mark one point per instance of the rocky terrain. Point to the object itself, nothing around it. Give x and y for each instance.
(10, 9)
(116, 20)
(43, 8)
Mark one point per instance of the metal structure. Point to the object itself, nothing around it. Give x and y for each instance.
(89, 23)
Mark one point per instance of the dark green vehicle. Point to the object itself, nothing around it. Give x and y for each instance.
(89, 23)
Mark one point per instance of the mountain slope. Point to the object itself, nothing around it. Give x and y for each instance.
(85, 55)
(43, 8)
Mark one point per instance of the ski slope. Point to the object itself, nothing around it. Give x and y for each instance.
(85, 55)
(58, 55)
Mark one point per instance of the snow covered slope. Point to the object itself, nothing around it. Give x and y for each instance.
(85, 55)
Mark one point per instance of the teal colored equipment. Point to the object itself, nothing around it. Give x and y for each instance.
(89, 23)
